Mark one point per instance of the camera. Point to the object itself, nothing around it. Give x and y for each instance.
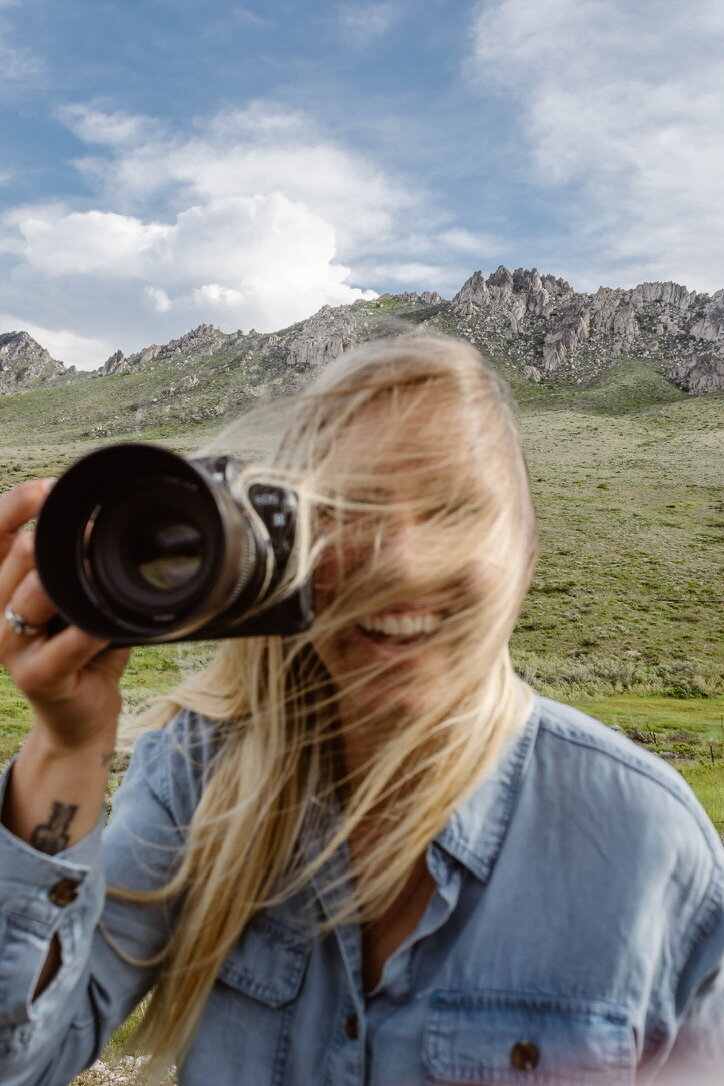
(137, 545)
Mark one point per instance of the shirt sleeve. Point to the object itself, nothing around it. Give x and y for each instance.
(697, 1056)
(104, 941)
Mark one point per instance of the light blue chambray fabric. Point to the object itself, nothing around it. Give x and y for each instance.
(577, 925)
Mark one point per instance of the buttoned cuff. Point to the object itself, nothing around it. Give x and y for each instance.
(39, 896)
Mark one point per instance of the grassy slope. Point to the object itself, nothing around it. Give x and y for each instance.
(628, 587)
(626, 474)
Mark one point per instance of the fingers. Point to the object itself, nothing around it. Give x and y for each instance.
(28, 599)
(19, 562)
(72, 650)
(49, 668)
(17, 507)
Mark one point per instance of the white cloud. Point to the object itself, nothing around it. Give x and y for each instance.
(252, 217)
(119, 129)
(246, 16)
(480, 246)
(365, 22)
(623, 114)
(92, 242)
(159, 298)
(257, 150)
(18, 65)
(260, 260)
(414, 274)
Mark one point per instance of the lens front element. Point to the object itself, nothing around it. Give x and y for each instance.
(167, 552)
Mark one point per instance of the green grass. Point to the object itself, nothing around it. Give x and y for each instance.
(688, 733)
(118, 1043)
(660, 716)
(707, 781)
(630, 510)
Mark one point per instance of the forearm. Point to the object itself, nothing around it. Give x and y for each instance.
(57, 966)
(53, 799)
(55, 793)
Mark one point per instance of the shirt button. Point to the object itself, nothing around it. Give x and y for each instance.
(351, 1026)
(524, 1055)
(63, 892)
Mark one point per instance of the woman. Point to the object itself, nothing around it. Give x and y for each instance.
(365, 854)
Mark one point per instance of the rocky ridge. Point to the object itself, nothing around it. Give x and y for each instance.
(540, 324)
(24, 363)
(534, 324)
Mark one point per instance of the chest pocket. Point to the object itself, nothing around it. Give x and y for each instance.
(491, 1037)
(245, 1035)
(268, 964)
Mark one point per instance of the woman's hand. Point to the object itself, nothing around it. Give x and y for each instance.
(56, 790)
(70, 679)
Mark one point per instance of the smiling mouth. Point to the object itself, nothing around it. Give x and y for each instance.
(399, 628)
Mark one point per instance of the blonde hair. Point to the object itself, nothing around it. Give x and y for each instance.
(441, 452)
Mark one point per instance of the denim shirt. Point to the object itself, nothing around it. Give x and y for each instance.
(574, 936)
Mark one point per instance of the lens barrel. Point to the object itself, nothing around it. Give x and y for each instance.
(135, 544)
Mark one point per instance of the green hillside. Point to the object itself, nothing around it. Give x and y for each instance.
(625, 612)
(626, 474)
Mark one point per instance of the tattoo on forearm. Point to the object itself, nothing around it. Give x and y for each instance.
(52, 836)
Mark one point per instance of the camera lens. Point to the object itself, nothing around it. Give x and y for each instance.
(168, 553)
(136, 545)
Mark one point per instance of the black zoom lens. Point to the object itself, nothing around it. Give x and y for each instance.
(135, 544)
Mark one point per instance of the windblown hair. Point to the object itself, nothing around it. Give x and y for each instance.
(404, 446)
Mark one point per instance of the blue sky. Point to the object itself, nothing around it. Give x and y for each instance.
(168, 162)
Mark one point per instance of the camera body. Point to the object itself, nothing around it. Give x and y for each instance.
(138, 545)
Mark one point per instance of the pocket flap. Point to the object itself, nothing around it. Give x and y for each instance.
(268, 963)
(479, 1037)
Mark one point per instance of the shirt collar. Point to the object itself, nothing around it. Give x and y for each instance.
(475, 833)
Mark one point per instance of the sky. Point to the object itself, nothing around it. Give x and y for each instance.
(165, 163)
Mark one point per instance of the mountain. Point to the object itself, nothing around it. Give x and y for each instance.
(24, 363)
(534, 327)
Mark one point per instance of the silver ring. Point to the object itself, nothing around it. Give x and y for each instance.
(18, 624)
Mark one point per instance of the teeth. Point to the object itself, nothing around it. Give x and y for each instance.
(401, 625)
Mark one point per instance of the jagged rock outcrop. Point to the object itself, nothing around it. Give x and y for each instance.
(710, 327)
(24, 363)
(146, 355)
(700, 375)
(116, 363)
(542, 325)
(669, 293)
(500, 284)
(564, 338)
(325, 336)
(201, 340)
(473, 292)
